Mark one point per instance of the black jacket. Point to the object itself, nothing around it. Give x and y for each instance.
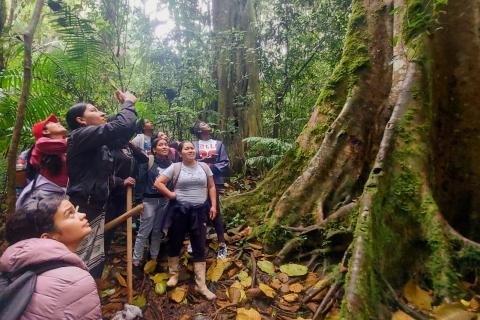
(89, 162)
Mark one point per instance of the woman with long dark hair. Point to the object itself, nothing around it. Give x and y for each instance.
(193, 201)
(90, 167)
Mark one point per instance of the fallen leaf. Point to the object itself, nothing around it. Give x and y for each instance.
(161, 287)
(121, 280)
(453, 311)
(107, 292)
(116, 260)
(400, 315)
(178, 294)
(311, 279)
(268, 291)
(236, 293)
(284, 288)
(232, 272)
(276, 284)
(312, 306)
(284, 305)
(139, 301)
(245, 279)
(106, 272)
(150, 266)
(248, 314)
(417, 296)
(282, 277)
(159, 277)
(238, 263)
(294, 270)
(253, 293)
(291, 297)
(266, 266)
(255, 246)
(296, 287)
(215, 272)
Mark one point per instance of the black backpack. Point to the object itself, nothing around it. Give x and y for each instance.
(16, 288)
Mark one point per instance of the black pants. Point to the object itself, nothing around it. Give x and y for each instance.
(218, 222)
(192, 221)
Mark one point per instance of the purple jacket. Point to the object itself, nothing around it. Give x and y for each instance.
(63, 293)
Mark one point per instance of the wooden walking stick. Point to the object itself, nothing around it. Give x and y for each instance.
(129, 248)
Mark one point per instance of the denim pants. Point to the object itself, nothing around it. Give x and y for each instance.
(153, 211)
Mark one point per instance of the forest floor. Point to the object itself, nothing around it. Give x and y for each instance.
(251, 285)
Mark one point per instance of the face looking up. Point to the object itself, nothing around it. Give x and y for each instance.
(92, 117)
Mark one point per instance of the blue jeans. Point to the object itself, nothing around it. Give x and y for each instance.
(153, 210)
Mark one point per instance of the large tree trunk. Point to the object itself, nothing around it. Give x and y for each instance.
(237, 74)
(388, 156)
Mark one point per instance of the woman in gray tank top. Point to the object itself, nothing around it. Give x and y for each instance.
(192, 202)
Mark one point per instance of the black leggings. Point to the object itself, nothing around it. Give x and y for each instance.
(187, 222)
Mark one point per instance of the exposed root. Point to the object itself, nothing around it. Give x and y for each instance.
(290, 246)
(337, 215)
(417, 315)
(326, 302)
(454, 234)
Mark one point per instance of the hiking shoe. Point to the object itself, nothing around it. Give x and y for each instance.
(222, 252)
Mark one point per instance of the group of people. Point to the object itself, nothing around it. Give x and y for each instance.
(81, 181)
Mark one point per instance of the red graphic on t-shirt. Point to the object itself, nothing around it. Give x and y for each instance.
(207, 149)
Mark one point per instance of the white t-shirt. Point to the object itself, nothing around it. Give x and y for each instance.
(191, 187)
(207, 148)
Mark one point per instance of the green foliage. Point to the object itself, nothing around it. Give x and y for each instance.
(422, 17)
(263, 153)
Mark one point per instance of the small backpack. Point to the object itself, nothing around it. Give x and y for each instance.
(16, 288)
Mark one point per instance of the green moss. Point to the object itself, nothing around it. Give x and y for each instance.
(354, 58)
(421, 17)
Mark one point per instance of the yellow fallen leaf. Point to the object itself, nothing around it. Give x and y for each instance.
(296, 287)
(215, 272)
(161, 287)
(178, 294)
(266, 266)
(400, 315)
(294, 270)
(417, 296)
(159, 277)
(311, 279)
(247, 314)
(291, 297)
(465, 303)
(236, 293)
(150, 266)
(121, 280)
(268, 291)
(139, 301)
(453, 311)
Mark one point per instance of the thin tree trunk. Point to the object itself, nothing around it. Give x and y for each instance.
(22, 104)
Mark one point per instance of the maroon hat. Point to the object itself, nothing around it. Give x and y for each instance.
(37, 129)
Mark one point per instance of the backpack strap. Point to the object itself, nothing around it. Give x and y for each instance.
(17, 288)
(204, 166)
(177, 166)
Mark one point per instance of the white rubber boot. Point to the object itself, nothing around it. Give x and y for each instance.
(173, 264)
(201, 287)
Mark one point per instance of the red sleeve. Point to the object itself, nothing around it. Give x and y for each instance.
(51, 146)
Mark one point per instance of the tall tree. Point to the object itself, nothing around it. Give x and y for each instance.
(388, 157)
(22, 104)
(239, 104)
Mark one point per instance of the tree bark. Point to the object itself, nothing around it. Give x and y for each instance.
(237, 74)
(22, 104)
(394, 131)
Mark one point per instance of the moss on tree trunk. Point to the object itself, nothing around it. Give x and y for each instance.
(388, 156)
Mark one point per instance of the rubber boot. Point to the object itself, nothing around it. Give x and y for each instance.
(201, 287)
(173, 271)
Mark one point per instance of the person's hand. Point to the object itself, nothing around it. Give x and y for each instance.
(212, 213)
(125, 96)
(129, 182)
(172, 196)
